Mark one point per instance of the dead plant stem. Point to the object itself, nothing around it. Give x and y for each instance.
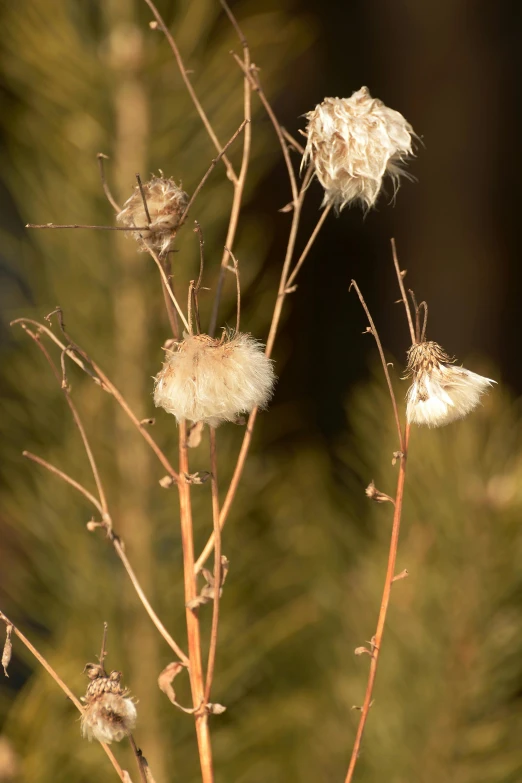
(217, 565)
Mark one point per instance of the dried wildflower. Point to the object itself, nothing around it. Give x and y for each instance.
(440, 393)
(212, 381)
(353, 142)
(166, 203)
(109, 715)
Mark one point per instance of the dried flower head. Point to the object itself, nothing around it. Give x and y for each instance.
(353, 142)
(212, 381)
(440, 392)
(109, 715)
(166, 203)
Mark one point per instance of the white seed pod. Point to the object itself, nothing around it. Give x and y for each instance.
(212, 381)
(109, 715)
(353, 143)
(440, 392)
(166, 203)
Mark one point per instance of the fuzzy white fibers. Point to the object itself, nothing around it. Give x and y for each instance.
(166, 203)
(109, 715)
(440, 392)
(213, 381)
(353, 142)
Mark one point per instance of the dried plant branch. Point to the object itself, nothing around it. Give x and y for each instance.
(385, 600)
(193, 629)
(110, 198)
(82, 359)
(239, 184)
(139, 760)
(304, 254)
(373, 330)
(210, 169)
(400, 277)
(80, 225)
(184, 75)
(58, 680)
(217, 566)
(102, 507)
(167, 285)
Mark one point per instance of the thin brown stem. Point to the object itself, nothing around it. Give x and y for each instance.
(171, 310)
(209, 171)
(166, 282)
(57, 472)
(293, 142)
(58, 680)
(110, 198)
(384, 363)
(239, 184)
(81, 358)
(313, 237)
(400, 278)
(139, 759)
(217, 566)
(143, 199)
(184, 75)
(78, 225)
(193, 629)
(385, 600)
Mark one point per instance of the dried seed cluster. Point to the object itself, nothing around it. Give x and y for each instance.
(212, 381)
(166, 203)
(353, 143)
(440, 392)
(109, 715)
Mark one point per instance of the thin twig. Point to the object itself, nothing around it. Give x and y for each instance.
(171, 310)
(184, 75)
(139, 759)
(58, 680)
(238, 289)
(239, 184)
(64, 477)
(400, 277)
(293, 142)
(217, 566)
(103, 651)
(193, 630)
(377, 639)
(144, 200)
(384, 363)
(165, 279)
(112, 201)
(78, 225)
(209, 171)
(77, 354)
(313, 236)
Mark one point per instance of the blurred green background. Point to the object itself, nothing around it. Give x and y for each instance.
(307, 549)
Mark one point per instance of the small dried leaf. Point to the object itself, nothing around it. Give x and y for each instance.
(287, 208)
(361, 651)
(197, 478)
(148, 422)
(216, 709)
(194, 435)
(166, 482)
(166, 679)
(200, 600)
(8, 649)
(402, 575)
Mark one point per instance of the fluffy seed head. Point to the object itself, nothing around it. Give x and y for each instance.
(353, 142)
(109, 715)
(212, 381)
(440, 392)
(166, 203)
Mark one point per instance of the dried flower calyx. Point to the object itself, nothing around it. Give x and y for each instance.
(353, 143)
(166, 203)
(440, 392)
(109, 715)
(212, 381)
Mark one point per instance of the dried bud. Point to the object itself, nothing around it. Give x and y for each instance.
(109, 715)
(353, 142)
(166, 203)
(8, 649)
(440, 393)
(212, 381)
(376, 495)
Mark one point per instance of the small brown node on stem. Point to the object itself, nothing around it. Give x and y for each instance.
(362, 651)
(147, 422)
(403, 574)
(397, 455)
(215, 709)
(197, 478)
(93, 525)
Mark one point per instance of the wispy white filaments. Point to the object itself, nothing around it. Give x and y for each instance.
(440, 392)
(166, 203)
(109, 715)
(353, 143)
(213, 381)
